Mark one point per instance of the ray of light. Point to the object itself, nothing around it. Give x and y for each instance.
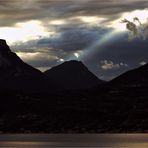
(97, 44)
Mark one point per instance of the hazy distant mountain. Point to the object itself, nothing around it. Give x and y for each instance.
(15, 74)
(73, 75)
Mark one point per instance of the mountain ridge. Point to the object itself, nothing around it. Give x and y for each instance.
(136, 76)
(16, 74)
(73, 75)
(116, 106)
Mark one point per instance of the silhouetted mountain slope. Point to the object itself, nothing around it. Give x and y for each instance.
(134, 78)
(116, 106)
(73, 75)
(15, 74)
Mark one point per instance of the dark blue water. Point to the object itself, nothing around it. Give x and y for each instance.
(73, 140)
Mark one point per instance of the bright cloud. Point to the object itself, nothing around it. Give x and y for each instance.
(26, 56)
(57, 22)
(23, 32)
(76, 55)
(142, 63)
(142, 15)
(90, 19)
(107, 65)
(61, 60)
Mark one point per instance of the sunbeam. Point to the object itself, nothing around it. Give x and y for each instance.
(97, 44)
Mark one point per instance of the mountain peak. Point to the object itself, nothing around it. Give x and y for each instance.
(3, 42)
(72, 62)
(73, 75)
(3, 46)
(17, 75)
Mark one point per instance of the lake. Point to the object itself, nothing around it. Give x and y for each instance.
(73, 140)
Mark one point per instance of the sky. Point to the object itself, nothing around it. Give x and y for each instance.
(45, 33)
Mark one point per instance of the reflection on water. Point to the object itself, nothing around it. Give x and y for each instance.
(69, 140)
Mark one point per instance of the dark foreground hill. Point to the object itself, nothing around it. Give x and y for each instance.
(117, 106)
(73, 75)
(108, 109)
(133, 82)
(136, 77)
(17, 75)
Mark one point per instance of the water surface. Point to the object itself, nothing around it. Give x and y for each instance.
(73, 140)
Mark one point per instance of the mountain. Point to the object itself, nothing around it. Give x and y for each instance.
(115, 106)
(17, 75)
(134, 78)
(73, 75)
(132, 83)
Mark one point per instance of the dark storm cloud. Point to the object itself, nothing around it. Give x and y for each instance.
(136, 31)
(62, 46)
(15, 11)
(73, 39)
(118, 50)
(75, 34)
(39, 56)
(120, 55)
